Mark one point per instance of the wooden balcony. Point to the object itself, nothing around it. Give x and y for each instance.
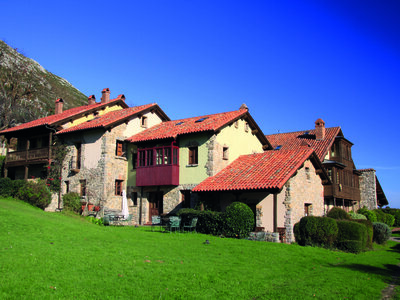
(342, 191)
(157, 175)
(27, 156)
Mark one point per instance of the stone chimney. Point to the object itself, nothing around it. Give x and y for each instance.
(319, 130)
(91, 100)
(59, 106)
(105, 95)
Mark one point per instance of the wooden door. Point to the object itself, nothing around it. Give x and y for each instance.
(155, 204)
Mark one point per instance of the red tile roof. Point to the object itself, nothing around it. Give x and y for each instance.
(293, 140)
(268, 170)
(172, 129)
(64, 116)
(109, 118)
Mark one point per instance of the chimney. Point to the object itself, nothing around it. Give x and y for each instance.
(91, 100)
(59, 106)
(319, 130)
(105, 95)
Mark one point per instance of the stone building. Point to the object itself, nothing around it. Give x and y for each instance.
(173, 157)
(281, 187)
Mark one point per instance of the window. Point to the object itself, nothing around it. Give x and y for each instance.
(193, 155)
(330, 174)
(158, 156)
(118, 187)
(120, 149)
(143, 122)
(66, 186)
(78, 155)
(307, 209)
(308, 175)
(225, 152)
(201, 120)
(83, 188)
(149, 157)
(186, 198)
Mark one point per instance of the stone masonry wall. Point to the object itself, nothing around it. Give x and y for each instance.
(368, 189)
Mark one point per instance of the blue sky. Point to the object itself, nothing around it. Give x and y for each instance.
(291, 62)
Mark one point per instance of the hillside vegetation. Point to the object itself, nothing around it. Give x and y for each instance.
(28, 91)
(55, 255)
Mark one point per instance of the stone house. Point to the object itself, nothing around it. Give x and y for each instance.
(281, 187)
(334, 151)
(175, 156)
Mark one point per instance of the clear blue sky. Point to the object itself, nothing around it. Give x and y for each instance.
(291, 62)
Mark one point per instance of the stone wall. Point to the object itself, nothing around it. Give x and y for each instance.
(368, 189)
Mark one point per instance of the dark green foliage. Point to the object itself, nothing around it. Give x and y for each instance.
(35, 193)
(72, 201)
(2, 158)
(10, 188)
(394, 212)
(383, 217)
(381, 232)
(239, 220)
(371, 216)
(352, 237)
(209, 222)
(338, 214)
(370, 231)
(316, 231)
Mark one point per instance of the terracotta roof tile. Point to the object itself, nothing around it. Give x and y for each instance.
(268, 170)
(108, 119)
(65, 115)
(172, 129)
(293, 140)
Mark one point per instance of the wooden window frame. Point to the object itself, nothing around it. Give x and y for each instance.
(194, 155)
(143, 122)
(83, 187)
(118, 187)
(120, 149)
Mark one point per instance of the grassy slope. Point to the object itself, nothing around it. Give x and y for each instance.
(50, 255)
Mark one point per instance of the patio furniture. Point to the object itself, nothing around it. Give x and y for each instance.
(173, 224)
(191, 226)
(155, 221)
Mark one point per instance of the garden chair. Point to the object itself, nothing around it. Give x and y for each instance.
(155, 221)
(174, 224)
(191, 226)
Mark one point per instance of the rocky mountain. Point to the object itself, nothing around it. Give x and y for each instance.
(28, 91)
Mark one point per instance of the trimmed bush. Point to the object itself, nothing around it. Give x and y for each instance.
(239, 220)
(72, 201)
(381, 232)
(35, 193)
(316, 231)
(371, 216)
(209, 222)
(356, 216)
(10, 188)
(394, 212)
(338, 214)
(352, 237)
(370, 231)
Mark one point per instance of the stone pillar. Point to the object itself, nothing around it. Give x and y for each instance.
(288, 213)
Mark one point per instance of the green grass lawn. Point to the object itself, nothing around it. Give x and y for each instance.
(53, 255)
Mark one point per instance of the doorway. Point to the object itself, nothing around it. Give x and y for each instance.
(155, 204)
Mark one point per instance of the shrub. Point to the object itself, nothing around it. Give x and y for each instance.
(338, 214)
(36, 193)
(352, 237)
(382, 217)
(209, 222)
(239, 220)
(72, 201)
(370, 231)
(356, 216)
(381, 232)
(390, 219)
(316, 231)
(394, 212)
(10, 188)
(371, 216)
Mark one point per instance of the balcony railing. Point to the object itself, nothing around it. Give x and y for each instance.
(28, 155)
(157, 175)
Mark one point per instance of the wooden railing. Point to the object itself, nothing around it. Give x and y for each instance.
(27, 155)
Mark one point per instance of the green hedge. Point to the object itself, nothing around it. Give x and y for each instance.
(10, 188)
(209, 222)
(316, 231)
(370, 231)
(371, 215)
(238, 220)
(356, 216)
(352, 236)
(338, 214)
(72, 201)
(394, 212)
